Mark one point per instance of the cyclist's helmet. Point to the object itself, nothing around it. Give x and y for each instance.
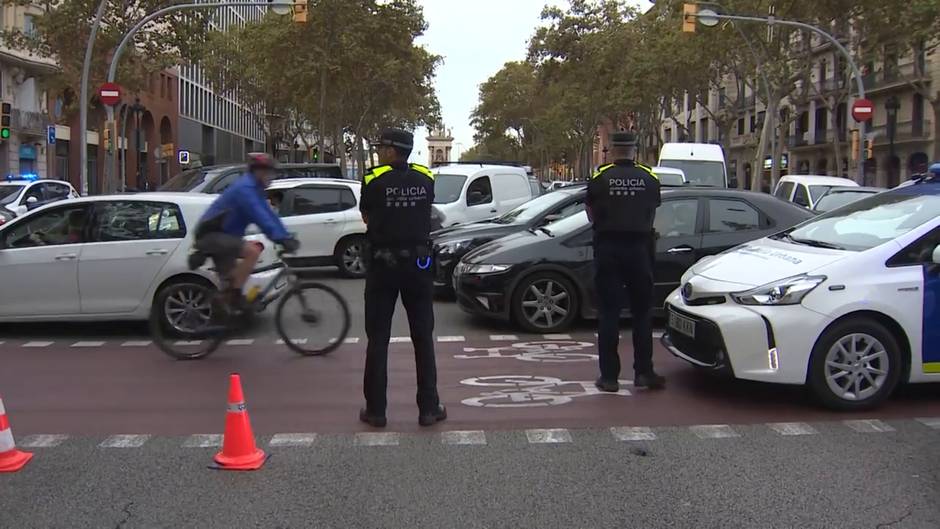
(261, 160)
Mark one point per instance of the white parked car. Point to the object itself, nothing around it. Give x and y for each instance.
(473, 192)
(324, 215)
(847, 303)
(703, 164)
(108, 257)
(19, 195)
(806, 190)
(670, 176)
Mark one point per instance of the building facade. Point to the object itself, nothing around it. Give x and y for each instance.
(440, 144)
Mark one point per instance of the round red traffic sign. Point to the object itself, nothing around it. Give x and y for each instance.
(863, 110)
(110, 94)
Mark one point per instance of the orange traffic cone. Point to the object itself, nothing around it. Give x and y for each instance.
(11, 459)
(238, 444)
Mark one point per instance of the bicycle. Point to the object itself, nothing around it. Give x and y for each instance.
(205, 331)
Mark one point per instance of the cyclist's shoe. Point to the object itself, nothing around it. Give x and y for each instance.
(649, 380)
(609, 386)
(196, 260)
(436, 416)
(375, 421)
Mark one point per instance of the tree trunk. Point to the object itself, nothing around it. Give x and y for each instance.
(836, 143)
(321, 136)
(757, 170)
(339, 148)
(935, 105)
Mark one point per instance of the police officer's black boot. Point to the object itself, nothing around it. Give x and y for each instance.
(649, 380)
(436, 416)
(609, 386)
(376, 421)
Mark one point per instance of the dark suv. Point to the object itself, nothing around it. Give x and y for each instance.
(214, 179)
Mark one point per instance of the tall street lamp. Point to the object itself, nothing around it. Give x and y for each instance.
(892, 105)
(138, 109)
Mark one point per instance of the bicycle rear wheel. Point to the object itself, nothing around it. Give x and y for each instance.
(184, 336)
(312, 319)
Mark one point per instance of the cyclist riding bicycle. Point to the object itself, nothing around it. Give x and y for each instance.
(222, 227)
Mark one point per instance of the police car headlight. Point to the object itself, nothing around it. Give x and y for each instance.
(789, 291)
(480, 269)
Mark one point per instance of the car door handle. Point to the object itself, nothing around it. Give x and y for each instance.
(157, 252)
(493, 211)
(680, 249)
(330, 221)
(66, 257)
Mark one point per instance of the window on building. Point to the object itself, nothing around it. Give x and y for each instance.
(29, 25)
(753, 123)
(705, 133)
(891, 68)
(917, 116)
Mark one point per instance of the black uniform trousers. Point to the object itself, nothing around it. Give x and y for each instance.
(384, 283)
(624, 263)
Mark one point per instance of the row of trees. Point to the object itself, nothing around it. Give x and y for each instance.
(601, 62)
(334, 81)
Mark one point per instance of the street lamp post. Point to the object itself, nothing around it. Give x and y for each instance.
(83, 99)
(138, 109)
(892, 105)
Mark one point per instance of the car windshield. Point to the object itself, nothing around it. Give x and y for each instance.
(818, 191)
(185, 181)
(869, 222)
(670, 179)
(698, 172)
(567, 225)
(8, 193)
(448, 187)
(531, 209)
(837, 200)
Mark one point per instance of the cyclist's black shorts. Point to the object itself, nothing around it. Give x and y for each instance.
(223, 248)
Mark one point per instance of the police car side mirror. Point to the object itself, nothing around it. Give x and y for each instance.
(31, 200)
(936, 255)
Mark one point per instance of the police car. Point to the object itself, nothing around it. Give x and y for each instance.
(845, 303)
(27, 192)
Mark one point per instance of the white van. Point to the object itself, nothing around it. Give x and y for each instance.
(806, 190)
(702, 163)
(474, 192)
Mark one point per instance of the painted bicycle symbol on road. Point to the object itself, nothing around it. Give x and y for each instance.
(527, 391)
(548, 351)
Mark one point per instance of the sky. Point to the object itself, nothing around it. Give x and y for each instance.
(475, 38)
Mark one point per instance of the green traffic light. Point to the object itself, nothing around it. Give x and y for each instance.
(4, 133)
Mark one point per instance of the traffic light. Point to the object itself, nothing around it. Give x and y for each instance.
(855, 145)
(6, 120)
(869, 148)
(315, 154)
(689, 11)
(300, 11)
(106, 135)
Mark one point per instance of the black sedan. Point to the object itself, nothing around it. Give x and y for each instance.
(451, 244)
(543, 279)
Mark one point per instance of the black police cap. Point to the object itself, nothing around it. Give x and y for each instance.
(623, 139)
(396, 138)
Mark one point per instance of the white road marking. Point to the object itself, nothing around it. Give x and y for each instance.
(713, 431)
(378, 439)
(203, 440)
(792, 428)
(633, 433)
(293, 439)
(125, 441)
(556, 336)
(551, 435)
(188, 343)
(353, 340)
(136, 343)
(930, 422)
(240, 342)
(400, 339)
(43, 440)
(868, 426)
(298, 341)
(444, 339)
(504, 338)
(37, 344)
(87, 344)
(464, 437)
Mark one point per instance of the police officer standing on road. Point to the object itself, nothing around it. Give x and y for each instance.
(622, 199)
(396, 207)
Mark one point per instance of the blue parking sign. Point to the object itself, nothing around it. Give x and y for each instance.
(184, 157)
(50, 134)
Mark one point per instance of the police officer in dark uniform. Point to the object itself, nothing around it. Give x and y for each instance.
(396, 207)
(622, 199)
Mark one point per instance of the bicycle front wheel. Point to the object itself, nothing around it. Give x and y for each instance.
(312, 319)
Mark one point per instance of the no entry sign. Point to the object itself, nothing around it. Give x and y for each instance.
(110, 94)
(863, 110)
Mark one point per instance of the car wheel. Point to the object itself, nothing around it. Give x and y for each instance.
(856, 364)
(351, 258)
(545, 302)
(184, 307)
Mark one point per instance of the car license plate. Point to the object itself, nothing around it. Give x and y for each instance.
(681, 324)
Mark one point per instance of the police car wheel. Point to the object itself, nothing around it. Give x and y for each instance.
(856, 365)
(350, 257)
(545, 302)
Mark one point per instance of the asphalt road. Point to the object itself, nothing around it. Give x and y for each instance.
(540, 447)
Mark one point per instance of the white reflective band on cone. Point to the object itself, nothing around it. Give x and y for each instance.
(3, 411)
(6, 441)
(238, 406)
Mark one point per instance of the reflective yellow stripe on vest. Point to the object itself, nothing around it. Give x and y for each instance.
(601, 169)
(648, 170)
(423, 170)
(375, 173)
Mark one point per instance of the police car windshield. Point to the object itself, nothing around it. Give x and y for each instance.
(448, 187)
(532, 209)
(869, 222)
(699, 172)
(8, 193)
